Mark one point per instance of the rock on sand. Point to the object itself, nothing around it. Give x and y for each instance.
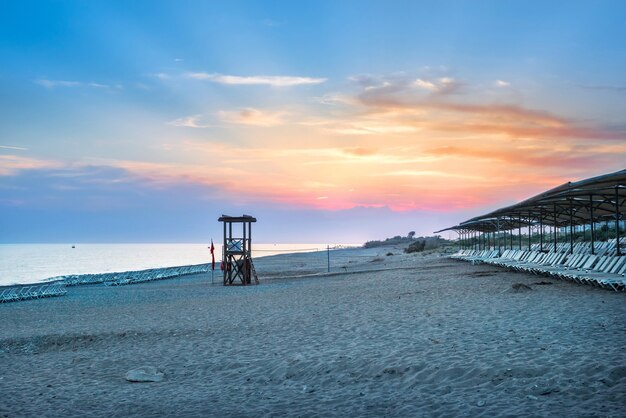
(144, 374)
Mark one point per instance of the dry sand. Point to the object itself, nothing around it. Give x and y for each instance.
(422, 336)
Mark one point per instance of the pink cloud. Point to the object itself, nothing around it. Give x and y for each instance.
(12, 164)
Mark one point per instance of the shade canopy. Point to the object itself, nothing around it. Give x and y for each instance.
(242, 218)
(581, 202)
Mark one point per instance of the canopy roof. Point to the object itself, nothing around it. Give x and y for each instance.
(242, 218)
(596, 198)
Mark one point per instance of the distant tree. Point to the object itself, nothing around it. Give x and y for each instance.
(421, 243)
(416, 247)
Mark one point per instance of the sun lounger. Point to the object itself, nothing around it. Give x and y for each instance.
(552, 260)
(609, 276)
(527, 258)
(17, 293)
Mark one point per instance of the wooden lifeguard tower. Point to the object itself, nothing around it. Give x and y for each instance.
(237, 251)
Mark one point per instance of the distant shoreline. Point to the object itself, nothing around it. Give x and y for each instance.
(30, 264)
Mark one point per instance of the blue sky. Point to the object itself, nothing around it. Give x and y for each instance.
(346, 121)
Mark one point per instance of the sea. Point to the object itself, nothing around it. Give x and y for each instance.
(34, 263)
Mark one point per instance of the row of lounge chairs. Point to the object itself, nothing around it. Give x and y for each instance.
(17, 293)
(58, 287)
(131, 277)
(603, 270)
(608, 247)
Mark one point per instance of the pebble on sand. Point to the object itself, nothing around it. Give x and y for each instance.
(144, 374)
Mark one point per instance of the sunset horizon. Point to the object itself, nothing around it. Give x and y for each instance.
(145, 122)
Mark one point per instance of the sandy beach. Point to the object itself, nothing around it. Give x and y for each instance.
(417, 335)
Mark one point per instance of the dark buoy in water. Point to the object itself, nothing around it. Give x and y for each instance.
(73, 246)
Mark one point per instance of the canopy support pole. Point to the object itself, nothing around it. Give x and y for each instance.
(593, 232)
(530, 232)
(555, 228)
(498, 235)
(541, 230)
(519, 230)
(617, 216)
(571, 227)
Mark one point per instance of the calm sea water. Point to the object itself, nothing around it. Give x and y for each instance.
(32, 263)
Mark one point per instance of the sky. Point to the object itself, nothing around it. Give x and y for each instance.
(330, 121)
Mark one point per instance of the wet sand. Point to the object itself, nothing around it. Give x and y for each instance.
(418, 336)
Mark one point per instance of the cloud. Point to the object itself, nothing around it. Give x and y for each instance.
(365, 80)
(269, 186)
(604, 87)
(375, 173)
(50, 84)
(193, 121)
(425, 84)
(350, 157)
(398, 103)
(13, 148)
(12, 164)
(360, 151)
(253, 117)
(404, 141)
(360, 125)
(161, 76)
(403, 83)
(274, 81)
(501, 83)
(367, 173)
(429, 173)
(335, 99)
(98, 85)
(389, 84)
(442, 85)
(371, 128)
(538, 158)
